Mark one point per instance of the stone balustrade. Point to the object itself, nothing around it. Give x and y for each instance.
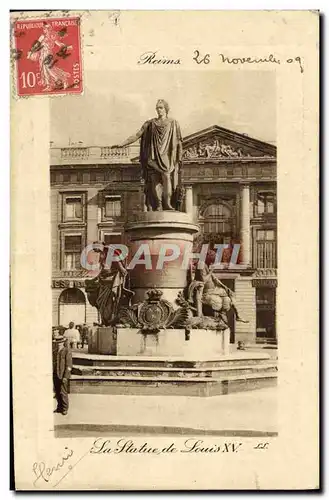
(108, 152)
(93, 154)
(74, 153)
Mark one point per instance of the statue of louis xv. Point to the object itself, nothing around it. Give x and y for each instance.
(161, 159)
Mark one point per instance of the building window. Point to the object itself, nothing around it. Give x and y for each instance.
(72, 307)
(73, 205)
(111, 238)
(100, 176)
(265, 203)
(217, 218)
(72, 252)
(265, 248)
(73, 208)
(265, 314)
(112, 206)
(72, 296)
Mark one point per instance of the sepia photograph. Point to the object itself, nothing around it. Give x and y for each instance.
(164, 254)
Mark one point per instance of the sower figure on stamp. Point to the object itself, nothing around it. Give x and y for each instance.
(62, 366)
(45, 50)
(161, 159)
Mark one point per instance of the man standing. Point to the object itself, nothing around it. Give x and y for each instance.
(62, 367)
(84, 335)
(161, 158)
(72, 335)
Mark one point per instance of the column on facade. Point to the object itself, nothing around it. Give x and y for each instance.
(188, 199)
(142, 196)
(245, 223)
(92, 215)
(189, 203)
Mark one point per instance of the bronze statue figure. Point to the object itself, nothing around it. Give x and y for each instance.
(161, 153)
(107, 291)
(207, 290)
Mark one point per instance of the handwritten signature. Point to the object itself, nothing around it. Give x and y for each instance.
(45, 473)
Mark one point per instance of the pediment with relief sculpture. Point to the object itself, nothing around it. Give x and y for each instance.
(217, 143)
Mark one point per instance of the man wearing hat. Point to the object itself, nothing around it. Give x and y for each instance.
(62, 367)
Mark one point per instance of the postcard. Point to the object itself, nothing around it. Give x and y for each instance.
(165, 250)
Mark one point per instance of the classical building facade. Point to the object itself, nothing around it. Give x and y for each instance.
(230, 184)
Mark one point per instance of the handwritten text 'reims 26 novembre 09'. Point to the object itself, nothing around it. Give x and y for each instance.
(206, 58)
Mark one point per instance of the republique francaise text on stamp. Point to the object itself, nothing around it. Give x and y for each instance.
(48, 56)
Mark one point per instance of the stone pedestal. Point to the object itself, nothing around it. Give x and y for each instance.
(161, 243)
(133, 342)
(103, 341)
(197, 344)
(152, 236)
(208, 343)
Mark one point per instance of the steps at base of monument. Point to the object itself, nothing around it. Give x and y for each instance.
(142, 375)
(170, 386)
(162, 372)
(241, 384)
(237, 359)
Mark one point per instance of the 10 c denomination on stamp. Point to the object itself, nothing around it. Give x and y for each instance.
(48, 56)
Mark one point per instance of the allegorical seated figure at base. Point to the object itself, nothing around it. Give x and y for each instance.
(207, 290)
(107, 290)
(161, 153)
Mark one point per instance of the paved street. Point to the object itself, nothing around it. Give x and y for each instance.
(246, 413)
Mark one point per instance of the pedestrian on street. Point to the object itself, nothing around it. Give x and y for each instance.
(79, 328)
(62, 367)
(72, 335)
(84, 335)
(55, 335)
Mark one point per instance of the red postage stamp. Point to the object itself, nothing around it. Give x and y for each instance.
(48, 56)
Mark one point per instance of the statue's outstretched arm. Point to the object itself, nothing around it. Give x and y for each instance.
(131, 139)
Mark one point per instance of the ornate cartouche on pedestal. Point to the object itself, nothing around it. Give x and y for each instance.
(154, 314)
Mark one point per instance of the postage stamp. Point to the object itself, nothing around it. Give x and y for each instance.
(48, 56)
